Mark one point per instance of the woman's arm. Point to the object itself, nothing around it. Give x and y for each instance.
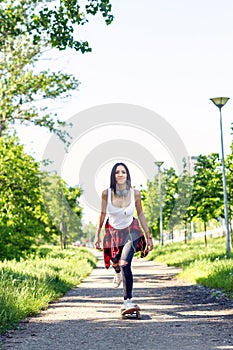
(142, 219)
(101, 218)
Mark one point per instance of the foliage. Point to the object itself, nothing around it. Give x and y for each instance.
(22, 89)
(188, 198)
(28, 286)
(207, 197)
(170, 193)
(207, 187)
(25, 220)
(151, 206)
(51, 22)
(176, 195)
(62, 205)
(184, 196)
(20, 210)
(88, 233)
(229, 183)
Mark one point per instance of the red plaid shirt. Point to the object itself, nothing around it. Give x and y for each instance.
(114, 239)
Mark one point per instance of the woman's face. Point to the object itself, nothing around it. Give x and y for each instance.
(121, 175)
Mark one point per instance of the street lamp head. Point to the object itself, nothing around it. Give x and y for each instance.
(219, 101)
(159, 164)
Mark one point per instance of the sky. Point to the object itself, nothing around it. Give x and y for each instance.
(169, 57)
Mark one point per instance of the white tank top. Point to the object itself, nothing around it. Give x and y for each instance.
(120, 218)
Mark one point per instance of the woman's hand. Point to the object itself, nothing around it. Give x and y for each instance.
(97, 243)
(149, 243)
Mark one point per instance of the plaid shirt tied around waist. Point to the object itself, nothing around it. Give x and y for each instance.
(114, 240)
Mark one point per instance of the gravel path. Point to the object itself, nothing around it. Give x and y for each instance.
(175, 315)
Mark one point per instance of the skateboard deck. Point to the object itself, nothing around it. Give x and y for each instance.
(133, 312)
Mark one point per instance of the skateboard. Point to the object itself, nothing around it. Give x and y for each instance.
(133, 312)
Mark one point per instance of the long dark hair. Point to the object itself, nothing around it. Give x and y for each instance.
(113, 176)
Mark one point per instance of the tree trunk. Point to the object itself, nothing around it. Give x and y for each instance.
(205, 234)
(64, 235)
(185, 233)
(2, 125)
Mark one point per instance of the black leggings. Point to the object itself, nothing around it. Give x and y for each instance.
(125, 260)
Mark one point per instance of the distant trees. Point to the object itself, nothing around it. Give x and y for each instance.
(25, 222)
(189, 197)
(229, 180)
(62, 205)
(207, 195)
(88, 233)
(20, 211)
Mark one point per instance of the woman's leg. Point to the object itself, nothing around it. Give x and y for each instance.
(115, 264)
(116, 259)
(125, 264)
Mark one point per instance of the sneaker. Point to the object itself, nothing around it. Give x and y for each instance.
(128, 304)
(117, 280)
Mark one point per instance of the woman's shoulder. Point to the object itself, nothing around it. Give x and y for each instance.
(105, 193)
(137, 193)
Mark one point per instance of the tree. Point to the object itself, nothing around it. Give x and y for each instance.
(88, 234)
(207, 196)
(169, 190)
(62, 205)
(28, 27)
(22, 89)
(151, 205)
(23, 220)
(176, 196)
(25, 211)
(229, 181)
(183, 197)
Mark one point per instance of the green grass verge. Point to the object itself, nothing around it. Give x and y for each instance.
(209, 266)
(26, 287)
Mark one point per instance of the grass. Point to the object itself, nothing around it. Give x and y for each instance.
(28, 286)
(209, 266)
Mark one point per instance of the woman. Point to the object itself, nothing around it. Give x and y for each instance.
(123, 235)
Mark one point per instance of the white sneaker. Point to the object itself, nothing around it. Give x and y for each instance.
(128, 304)
(117, 280)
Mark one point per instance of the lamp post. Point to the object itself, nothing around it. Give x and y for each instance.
(159, 164)
(220, 102)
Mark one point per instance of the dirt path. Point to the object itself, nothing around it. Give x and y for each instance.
(175, 315)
